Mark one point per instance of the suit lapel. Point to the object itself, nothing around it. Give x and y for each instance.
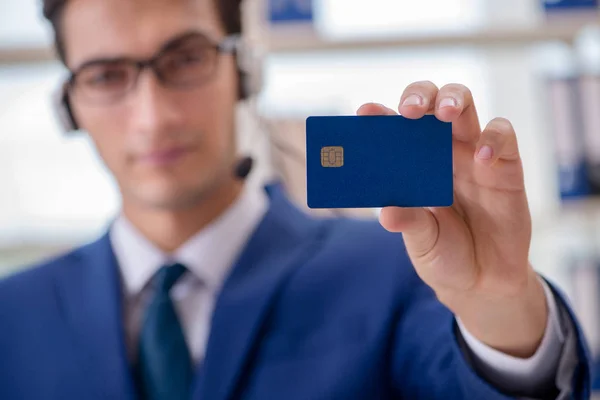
(89, 290)
(285, 239)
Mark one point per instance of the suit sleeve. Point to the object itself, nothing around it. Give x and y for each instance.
(430, 362)
(551, 366)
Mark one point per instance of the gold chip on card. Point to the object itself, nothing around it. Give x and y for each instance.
(332, 157)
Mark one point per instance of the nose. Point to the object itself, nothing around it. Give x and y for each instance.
(152, 109)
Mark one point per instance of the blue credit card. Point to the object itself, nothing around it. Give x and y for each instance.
(378, 161)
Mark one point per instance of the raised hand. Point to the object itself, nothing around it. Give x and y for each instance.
(474, 255)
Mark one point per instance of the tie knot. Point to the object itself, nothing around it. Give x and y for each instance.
(167, 276)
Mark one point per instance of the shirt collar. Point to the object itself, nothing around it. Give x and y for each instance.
(209, 254)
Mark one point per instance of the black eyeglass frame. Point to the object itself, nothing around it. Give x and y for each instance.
(228, 45)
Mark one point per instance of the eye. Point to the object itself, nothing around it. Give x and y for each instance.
(104, 76)
(187, 58)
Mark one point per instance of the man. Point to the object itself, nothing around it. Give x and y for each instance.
(207, 288)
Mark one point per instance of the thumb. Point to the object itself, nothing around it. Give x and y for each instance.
(419, 227)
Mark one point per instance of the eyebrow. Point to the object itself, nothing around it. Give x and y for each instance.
(170, 44)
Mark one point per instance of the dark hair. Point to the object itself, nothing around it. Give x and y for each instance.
(229, 12)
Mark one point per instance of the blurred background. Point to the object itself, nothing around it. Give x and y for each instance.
(535, 62)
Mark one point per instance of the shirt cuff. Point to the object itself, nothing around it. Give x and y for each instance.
(512, 374)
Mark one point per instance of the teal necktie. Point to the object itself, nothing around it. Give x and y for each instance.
(164, 362)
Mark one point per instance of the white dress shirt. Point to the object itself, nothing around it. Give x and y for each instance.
(209, 256)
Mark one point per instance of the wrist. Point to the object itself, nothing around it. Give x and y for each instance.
(513, 324)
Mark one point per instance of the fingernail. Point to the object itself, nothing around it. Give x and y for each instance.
(485, 153)
(448, 102)
(413, 100)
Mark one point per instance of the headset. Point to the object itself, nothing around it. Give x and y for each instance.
(250, 73)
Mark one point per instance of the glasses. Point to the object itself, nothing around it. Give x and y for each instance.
(186, 62)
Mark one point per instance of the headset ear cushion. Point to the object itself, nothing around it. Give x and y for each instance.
(69, 111)
(62, 108)
(243, 93)
(250, 71)
(250, 83)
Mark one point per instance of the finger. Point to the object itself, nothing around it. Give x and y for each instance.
(497, 142)
(418, 225)
(374, 109)
(455, 104)
(418, 99)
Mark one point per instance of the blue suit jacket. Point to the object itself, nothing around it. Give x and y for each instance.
(313, 309)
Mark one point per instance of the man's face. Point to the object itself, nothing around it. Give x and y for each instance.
(167, 146)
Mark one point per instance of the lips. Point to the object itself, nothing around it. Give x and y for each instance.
(164, 157)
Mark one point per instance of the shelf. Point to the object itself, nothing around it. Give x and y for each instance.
(566, 31)
(305, 40)
(26, 55)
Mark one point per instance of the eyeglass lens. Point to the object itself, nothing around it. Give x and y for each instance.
(190, 63)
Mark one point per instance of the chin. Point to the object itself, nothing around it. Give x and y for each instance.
(178, 189)
(172, 196)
